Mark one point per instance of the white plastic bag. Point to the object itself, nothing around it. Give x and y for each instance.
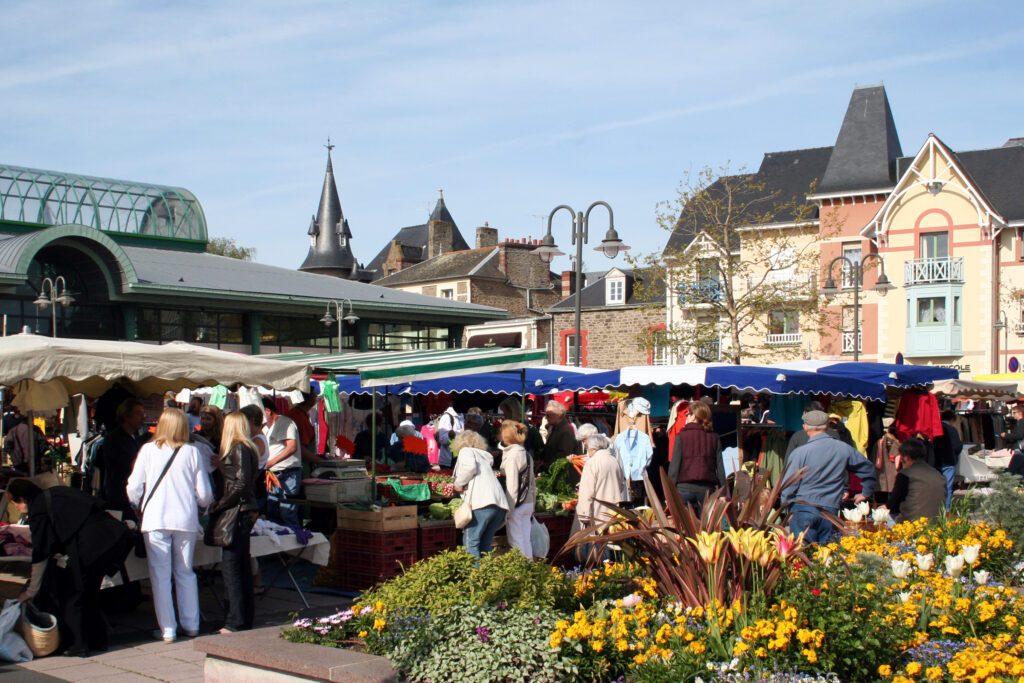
(12, 646)
(540, 539)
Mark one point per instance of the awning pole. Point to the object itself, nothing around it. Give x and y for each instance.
(522, 396)
(373, 435)
(31, 444)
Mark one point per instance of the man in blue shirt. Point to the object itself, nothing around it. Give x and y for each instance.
(827, 461)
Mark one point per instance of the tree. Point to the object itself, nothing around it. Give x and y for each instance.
(227, 246)
(741, 263)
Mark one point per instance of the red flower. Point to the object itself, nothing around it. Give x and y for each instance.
(815, 592)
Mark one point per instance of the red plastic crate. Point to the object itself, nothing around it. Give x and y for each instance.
(436, 538)
(373, 563)
(375, 541)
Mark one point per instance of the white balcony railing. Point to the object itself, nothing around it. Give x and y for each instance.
(848, 342)
(790, 339)
(927, 270)
(1018, 329)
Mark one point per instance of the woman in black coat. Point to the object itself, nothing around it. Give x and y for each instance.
(232, 517)
(74, 545)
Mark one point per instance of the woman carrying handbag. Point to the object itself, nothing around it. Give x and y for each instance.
(232, 518)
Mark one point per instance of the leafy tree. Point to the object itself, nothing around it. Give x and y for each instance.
(227, 246)
(742, 262)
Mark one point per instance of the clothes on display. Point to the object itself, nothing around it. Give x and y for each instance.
(918, 413)
(635, 449)
(887, 450)
(637, 420)
(676, 422)
(787, 411)
(855, 417)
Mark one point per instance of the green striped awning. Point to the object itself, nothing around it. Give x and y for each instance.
(393, 367)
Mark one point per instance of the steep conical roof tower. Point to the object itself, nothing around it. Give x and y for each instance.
(864, 157)
(330, 249)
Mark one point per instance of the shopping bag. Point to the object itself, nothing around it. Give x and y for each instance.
(540, 539)
(13, 647)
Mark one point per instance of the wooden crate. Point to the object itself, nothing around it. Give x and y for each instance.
(387, 519)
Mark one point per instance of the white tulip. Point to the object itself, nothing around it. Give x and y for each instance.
(904, 597)
(954, 565)
(864, 508)
(981, 577)
(900, 569)
(925, 562)
(880, 515)
(970, 553)
(855, 516)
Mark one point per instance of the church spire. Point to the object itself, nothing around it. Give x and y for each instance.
(330, 250)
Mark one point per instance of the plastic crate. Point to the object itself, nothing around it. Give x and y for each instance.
(375, 541)
(436, 537)
(374, 565)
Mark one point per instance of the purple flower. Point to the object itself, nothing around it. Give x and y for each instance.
(483, 633)
(366, 610)
(303, 623)
(536, 621)
(502, 605)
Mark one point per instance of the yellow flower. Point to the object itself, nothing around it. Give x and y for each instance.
(810, 655)
(379, 624)
(740, 649)
(697, 647)
(913, 668)
(933, 673)
(362, 634)
(621, 645)
(885, 671)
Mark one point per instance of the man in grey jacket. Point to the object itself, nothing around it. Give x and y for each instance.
(826, 461)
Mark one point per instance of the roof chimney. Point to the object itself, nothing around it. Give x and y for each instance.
(486, 236)
(568, 283)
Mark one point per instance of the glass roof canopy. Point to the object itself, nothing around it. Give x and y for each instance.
(29, 195)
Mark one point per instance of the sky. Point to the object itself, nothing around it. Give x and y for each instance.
(511, 108)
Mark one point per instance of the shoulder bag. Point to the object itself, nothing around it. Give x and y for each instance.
(463, 516)
(135, 535)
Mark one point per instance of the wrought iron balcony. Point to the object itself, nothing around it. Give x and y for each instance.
(790, 339)
(699, 292)
(848, 342)
(933, 270)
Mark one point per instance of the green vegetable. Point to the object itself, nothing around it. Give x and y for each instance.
(556, 480)
(440, 511)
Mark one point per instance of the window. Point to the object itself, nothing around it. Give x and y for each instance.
(616, 292)
(195, 327)
(570, 349)
(784, 322)
(934, 245)
(342, 241)
(853, 254)
(447, 293)
(389, 337)
(931, 310)
(957, 311)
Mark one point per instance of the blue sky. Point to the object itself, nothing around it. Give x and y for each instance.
(512, 108)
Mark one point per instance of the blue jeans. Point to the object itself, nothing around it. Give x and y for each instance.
(808, 518)
(949, 472)
(277, 509)
(478, 535)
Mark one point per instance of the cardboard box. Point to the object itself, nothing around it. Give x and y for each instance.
(386, 519)
(344, 491)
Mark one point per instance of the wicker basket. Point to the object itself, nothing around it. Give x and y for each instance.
(39, 630)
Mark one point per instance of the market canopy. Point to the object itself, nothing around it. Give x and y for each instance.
(395, 367)
(538, 380)
(889, 374)
(977, 391)
(48, 368)
(722, 375)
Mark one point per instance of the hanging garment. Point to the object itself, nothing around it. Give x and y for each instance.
(219, 397)
(635, 449)
(918, 412)
(788, 411)
(331, 397)
(659, 397)
(433, 451)
(855, 417)
(773, 453)
(623, 421)
(676, 422)
(887, 449)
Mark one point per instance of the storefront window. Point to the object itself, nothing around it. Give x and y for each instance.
(391, 337)
(195, 327)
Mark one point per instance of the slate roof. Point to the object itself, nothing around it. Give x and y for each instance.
(786, 176)
(413, 239)
(326, 253)
(481, 263)
(866, 150)
(593, 295)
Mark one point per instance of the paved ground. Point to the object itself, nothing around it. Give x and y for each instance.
(135, 656)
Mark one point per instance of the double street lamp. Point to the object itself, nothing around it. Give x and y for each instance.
(855, 273)
(610, 246)
(54, 299)
(339, 316)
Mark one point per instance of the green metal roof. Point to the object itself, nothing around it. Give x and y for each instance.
(380, 369)
(44, 198)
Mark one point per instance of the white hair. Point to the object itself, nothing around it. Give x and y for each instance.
(555, 407)
(585, 431)
(598, 442)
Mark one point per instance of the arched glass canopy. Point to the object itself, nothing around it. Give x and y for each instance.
(29, 195)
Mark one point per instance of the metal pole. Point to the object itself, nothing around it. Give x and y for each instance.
(373, 436)
(858, 273)
(339, 329)
(578, 235)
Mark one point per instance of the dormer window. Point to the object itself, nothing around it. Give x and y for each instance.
(615, 291)
(312, 240)
(342, 241)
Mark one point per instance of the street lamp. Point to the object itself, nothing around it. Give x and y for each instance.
(856, 273)
(64, 298)
(610, 246)
(339, 311)
(1004, 325)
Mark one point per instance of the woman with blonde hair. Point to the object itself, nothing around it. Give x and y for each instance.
(475, 480)
(167, 486)
(520, 483)
(232, 518)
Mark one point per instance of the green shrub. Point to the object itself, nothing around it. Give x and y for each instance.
(1004, 508)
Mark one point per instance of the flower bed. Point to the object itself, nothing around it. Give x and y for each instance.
(688, 602)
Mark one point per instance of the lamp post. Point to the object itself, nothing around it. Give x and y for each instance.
(339, 316)
(610, 246)
(1004, 325)
(64, 298)
(856, 272)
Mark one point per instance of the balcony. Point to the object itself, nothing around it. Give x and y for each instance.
(1018, 329)
(699, 292)
(848, 342)
(788, 339)
(924, 271)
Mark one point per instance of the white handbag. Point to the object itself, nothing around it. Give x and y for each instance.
(463, 516)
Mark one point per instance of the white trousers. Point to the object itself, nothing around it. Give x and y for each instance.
(169, 553)
(518, 527)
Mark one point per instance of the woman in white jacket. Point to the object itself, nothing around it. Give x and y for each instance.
(169, 510)
(474, 478)
(521, 485)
